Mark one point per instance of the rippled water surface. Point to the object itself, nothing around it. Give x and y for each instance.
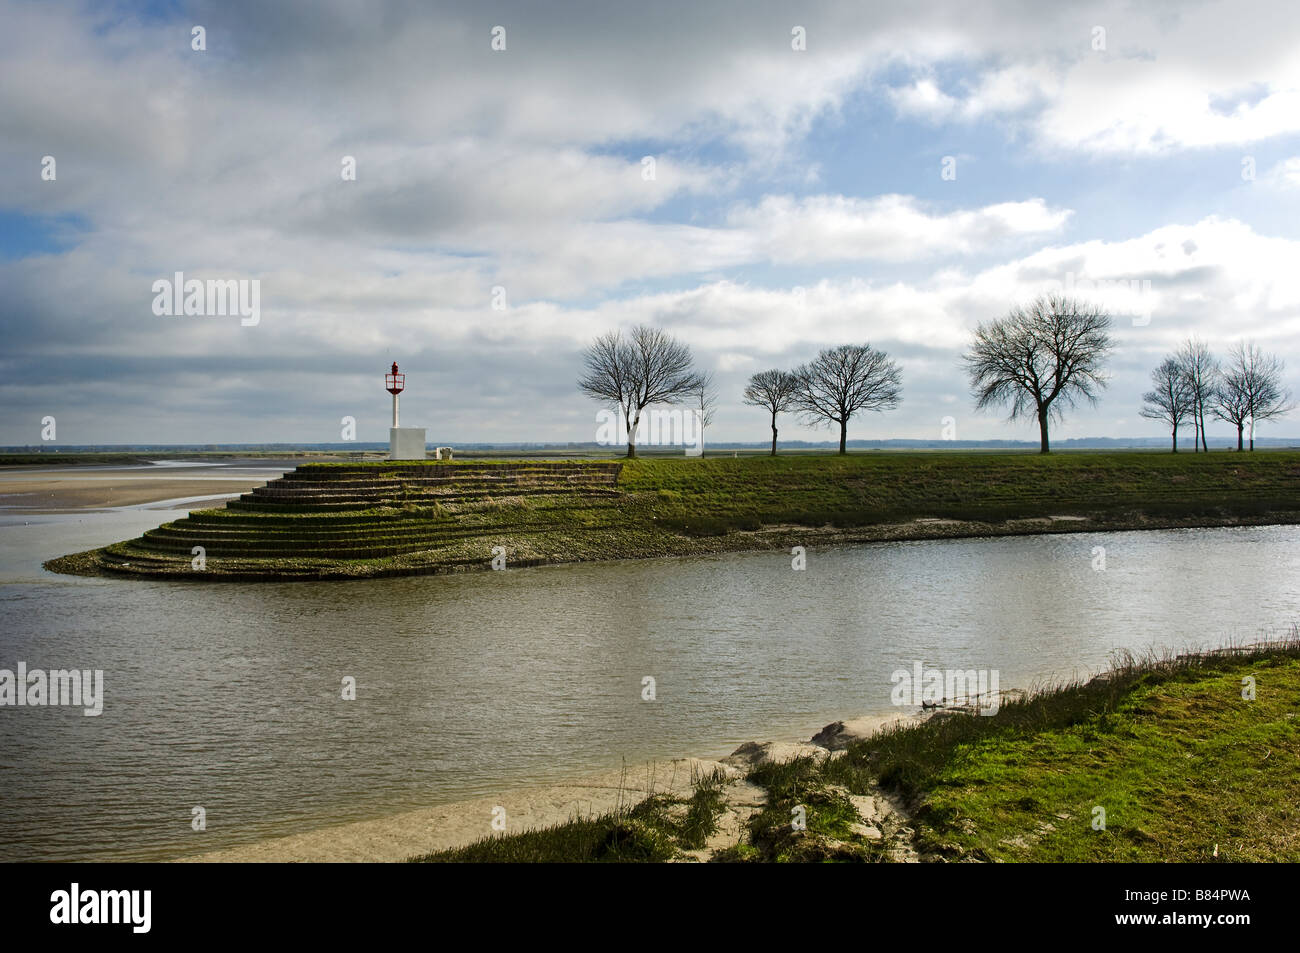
(228, 695)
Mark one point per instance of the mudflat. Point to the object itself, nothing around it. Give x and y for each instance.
(46, 491)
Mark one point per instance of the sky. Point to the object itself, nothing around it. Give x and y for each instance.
(761, 180)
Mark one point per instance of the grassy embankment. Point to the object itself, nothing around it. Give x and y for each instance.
(719, 495)
(1184, 767)
(394, 520)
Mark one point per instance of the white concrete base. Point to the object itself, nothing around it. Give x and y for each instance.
(405, 443)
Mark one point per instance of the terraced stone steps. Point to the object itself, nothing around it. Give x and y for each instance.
(322, 472)
(278, 500)
(319, 520)
(358, 547)
(328, 489)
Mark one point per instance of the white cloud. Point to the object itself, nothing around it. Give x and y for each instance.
(889, 228)
(1144, 108)
(994, 92)
(1284, 175)
(1219, 73)
(923, 98)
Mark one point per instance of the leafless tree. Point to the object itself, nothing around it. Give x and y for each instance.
(774, 391)
(1171, 398)
(646, 367)
(705, 400)
(1039, 359)
(844, 380)
(1252, 390)
(1231, 403)
(1202, 371)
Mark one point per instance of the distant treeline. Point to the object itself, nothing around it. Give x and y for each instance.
(1079, 443)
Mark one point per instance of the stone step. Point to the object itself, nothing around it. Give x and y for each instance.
(442, 491)
(261, 529)
(334, 472)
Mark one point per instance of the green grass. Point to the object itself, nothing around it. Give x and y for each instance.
(1182, 764)
(677, 506)
(1177, 759)
(828, 817)
(719, 495)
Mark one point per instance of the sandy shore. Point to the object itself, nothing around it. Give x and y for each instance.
(402, 836)
(105, 488)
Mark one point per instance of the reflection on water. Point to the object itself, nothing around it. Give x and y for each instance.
(228, 695)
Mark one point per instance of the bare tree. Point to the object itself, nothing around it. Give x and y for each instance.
(1202, 371)
(844, 380)
(1039, 359)
(647, 367)
(1231, 403)
(705, 400)
(1252, 390)
(774, 391)
(1171, 400)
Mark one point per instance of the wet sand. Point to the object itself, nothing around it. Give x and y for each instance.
(69, 491)
(412, 833)
(400, 837)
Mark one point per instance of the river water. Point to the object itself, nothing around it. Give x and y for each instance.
(229, 696)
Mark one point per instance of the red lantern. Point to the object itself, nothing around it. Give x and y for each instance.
(395, 382)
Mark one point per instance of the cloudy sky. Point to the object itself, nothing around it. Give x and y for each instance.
(914, 170)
